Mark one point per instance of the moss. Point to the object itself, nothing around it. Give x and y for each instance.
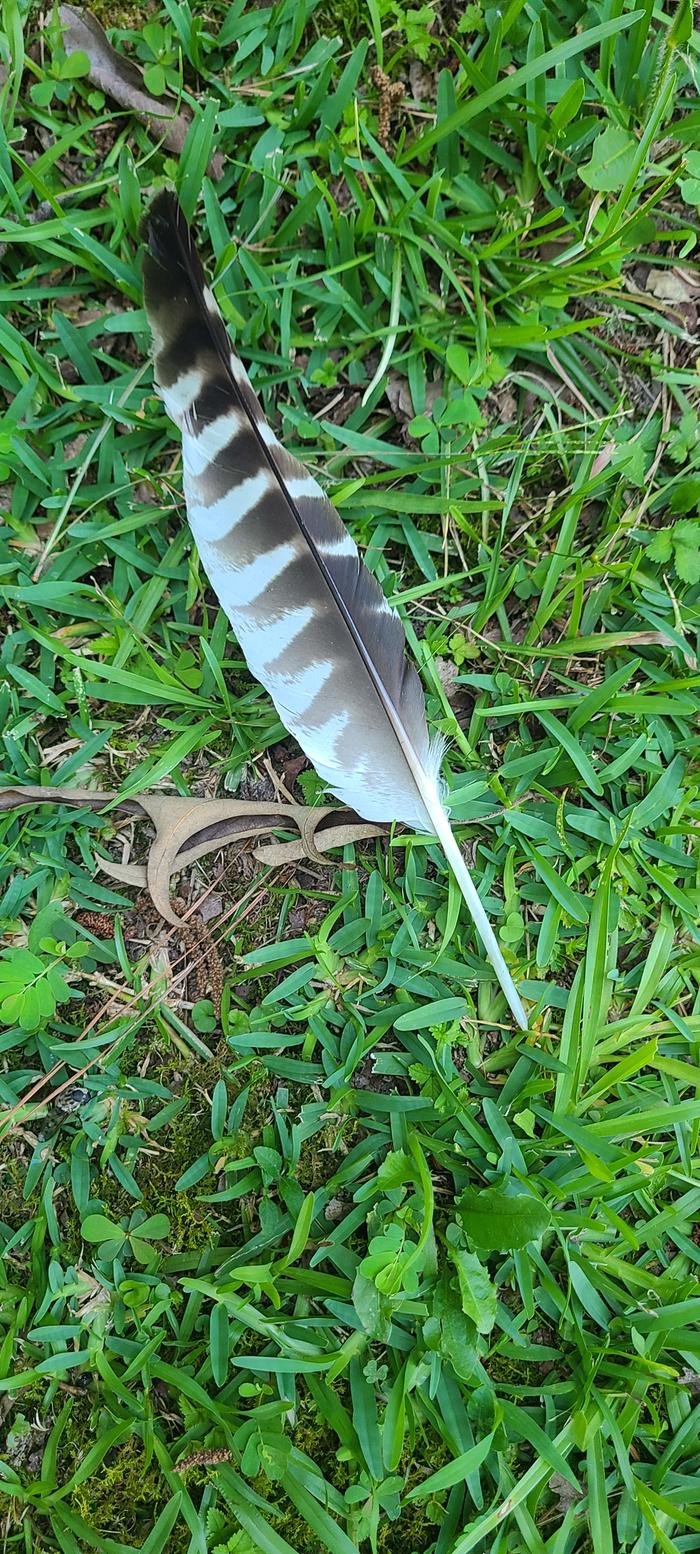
(79, 1434)
(12, 1179)
(312, 1436)
(124, 1497)
(193, 1225)
(259, 1109)
(507, 1373)
(318, 1157)
(127, 16)
(170, 1153)
(188, 1136)
(413, 1531)
(71, 1233)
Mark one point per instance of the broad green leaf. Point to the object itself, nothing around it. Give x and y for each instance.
(612, 157)
(96, 1227)
(155, 1228)
(476, 1290)
(499, 1221)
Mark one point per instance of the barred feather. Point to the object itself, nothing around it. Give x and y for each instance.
(312, 622)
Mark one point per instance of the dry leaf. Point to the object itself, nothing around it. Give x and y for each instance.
(120, 79)
(186, 829)
(448, 674)
(564, 1491)
(422, 81)
(503, 403)
(398, 394)
(602, 459)
(673, 285)
(433, 390)
(210, 907)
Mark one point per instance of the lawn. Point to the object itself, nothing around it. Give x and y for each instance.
(306, 1249)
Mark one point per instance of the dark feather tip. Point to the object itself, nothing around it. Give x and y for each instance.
(165, 230)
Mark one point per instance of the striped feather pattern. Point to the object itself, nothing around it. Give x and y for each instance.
(312, 622)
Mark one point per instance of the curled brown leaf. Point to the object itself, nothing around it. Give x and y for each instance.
(186, 829)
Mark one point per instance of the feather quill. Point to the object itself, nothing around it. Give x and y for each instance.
(312, 622)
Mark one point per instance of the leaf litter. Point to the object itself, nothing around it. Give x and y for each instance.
(186, 829)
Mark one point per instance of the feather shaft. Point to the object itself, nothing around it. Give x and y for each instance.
(453, 854)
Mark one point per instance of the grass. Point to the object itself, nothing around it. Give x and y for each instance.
(380, 1272)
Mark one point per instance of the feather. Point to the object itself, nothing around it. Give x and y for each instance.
(312, 622)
